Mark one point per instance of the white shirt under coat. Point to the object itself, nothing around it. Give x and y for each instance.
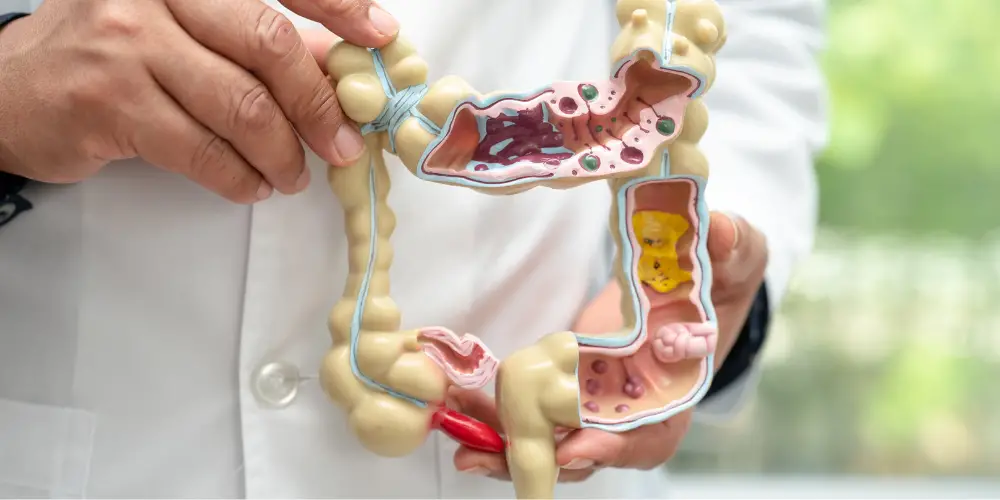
(136, 308)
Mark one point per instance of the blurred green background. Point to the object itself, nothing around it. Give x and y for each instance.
(885, 357)
(916, 116)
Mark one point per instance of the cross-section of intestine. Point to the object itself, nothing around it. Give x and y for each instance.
(569, 129)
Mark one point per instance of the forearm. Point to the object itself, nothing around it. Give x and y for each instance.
(11, 202)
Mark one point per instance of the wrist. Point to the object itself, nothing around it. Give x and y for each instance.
(747, 346)
(11, 202)
(10, 24)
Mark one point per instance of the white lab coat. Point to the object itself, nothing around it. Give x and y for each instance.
(136, 308)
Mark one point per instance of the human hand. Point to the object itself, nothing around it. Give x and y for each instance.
(217, 90)
(739, 257)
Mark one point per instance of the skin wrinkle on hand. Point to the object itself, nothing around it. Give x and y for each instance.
(221, 92)
(394, 384)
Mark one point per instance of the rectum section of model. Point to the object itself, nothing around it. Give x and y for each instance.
(568, 130)
(667, 365)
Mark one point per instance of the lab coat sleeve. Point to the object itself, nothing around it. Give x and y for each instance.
(767, 122)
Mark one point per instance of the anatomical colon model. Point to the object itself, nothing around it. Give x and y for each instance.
(639, 131)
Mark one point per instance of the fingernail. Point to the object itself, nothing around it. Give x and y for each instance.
(348, 143)
(579, 463)
(477, 471)
(382, 21)
(303, 181)
(264, 191)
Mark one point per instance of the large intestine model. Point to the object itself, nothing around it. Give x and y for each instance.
(639, 131)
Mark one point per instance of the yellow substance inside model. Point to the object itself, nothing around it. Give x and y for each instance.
(658, 234)
(537, 387)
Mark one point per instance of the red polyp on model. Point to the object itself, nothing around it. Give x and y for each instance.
(467, 431)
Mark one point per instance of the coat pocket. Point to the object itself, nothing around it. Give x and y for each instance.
(45, 451)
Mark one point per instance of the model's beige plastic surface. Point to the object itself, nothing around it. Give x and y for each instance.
(538, 388)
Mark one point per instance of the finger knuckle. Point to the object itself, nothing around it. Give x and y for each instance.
(323, 107)
(275, 35)
(92, 89)
(212, 162)
(241, 189)
(256, 110)
(102, 146)
(210, 156)
(115, 18)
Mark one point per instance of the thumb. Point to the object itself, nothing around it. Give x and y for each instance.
(361, 22)
(644, 448)
(586, 448)
(735, 247)
(724, 233)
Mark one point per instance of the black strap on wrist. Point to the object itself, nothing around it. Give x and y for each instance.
(11, 201)
(10, 17)
(748, 345)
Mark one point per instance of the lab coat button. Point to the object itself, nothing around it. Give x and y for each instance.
(276, 384)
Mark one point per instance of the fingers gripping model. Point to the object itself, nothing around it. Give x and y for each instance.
(639, 131)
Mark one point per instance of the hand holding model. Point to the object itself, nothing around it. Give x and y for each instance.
(216, 90)
(739, 256)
